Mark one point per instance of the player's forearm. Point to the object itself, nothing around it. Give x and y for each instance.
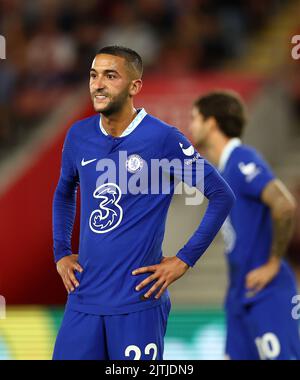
(64, 211)
(282, 232)
(221, 199)
(283, 206)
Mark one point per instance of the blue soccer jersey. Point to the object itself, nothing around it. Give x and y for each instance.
(248, 229)
(123, 212)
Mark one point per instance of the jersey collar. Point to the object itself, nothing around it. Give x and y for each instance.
(229, 148)
(141, 113)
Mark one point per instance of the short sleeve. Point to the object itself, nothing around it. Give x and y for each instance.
(253, 174)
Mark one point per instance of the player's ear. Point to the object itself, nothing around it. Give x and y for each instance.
(135, 87)
(212, 123)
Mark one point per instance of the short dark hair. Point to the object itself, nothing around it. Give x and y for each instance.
(133, 59)
(227, 108)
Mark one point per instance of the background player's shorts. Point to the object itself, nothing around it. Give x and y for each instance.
(138, 335)
(264, 330)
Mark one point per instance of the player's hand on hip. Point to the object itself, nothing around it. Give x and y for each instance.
(66, 267)
(260, 277)
(169, 270)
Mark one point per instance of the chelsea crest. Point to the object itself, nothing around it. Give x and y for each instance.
(134, 163)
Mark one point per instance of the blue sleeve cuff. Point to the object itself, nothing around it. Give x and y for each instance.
(185, 259)
(60, 251)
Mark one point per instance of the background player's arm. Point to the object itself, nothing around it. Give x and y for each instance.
(64, 211)
(283, 206)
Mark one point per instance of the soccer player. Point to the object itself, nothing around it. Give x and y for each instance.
(118, 302)
(257, 232)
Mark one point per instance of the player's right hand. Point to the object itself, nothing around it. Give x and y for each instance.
(66, 267)
(259, 278)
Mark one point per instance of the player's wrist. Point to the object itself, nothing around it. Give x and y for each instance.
(181, 263)
(274, 263)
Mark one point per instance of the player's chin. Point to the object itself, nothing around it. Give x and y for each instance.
(100, 107)
(199, 142)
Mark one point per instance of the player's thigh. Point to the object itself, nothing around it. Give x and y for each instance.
(273, 329)
(239, 344)
(80, 337)
(139, 335)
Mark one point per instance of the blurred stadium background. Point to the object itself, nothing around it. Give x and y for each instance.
(188, 47)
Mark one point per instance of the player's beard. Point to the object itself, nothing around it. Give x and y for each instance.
(201, 145)
(201, 140)
(115, 103)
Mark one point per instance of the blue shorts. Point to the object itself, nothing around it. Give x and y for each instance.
(138, 335)
(264, 330)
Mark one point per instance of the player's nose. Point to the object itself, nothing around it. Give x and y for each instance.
(99, 84)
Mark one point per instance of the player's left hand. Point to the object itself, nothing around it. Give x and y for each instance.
(258, 278)
(168, 271)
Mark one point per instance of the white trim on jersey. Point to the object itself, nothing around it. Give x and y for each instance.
(131, 127)
(229, 148)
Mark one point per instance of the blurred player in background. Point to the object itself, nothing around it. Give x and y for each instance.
(256, 234)
(115, 309)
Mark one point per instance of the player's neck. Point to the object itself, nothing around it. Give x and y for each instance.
(216, 147)
(116, 123)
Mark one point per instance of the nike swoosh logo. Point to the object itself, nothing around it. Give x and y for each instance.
(83, 163)
(188, 151)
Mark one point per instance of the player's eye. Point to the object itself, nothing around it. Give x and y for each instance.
(92, 75)
(111, 76)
